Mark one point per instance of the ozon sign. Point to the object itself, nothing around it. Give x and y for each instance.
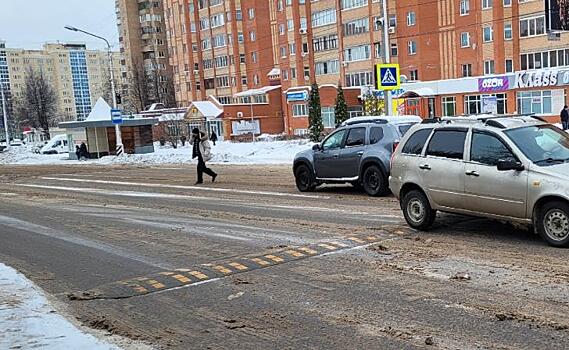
(493, 84)
(538, 78)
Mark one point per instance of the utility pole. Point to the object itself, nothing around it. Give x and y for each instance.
(5, 113)
(386, 58)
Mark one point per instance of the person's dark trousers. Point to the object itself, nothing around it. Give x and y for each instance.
(202, 168)
(565, 124)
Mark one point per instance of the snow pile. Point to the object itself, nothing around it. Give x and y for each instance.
(27, 321)
(266, 152)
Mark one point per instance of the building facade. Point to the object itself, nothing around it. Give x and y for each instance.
(78, 76)
(145, 61)
(220, 48)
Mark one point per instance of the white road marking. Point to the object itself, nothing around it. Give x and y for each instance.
(8, 194)
(379, 218)
(181, 187)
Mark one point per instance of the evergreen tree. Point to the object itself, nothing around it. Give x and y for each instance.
(315, 124)
(341, 108)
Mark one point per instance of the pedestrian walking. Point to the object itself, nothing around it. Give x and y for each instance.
(201, 150)
(78, 152)
(564, 118)
(213, 137)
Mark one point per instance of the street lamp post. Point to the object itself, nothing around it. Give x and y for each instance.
(5, 113)
(119, 146)
(386, 47)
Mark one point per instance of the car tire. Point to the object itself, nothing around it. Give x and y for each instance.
(553, 223)
(417, 210)
(374, 182)
(304, 179)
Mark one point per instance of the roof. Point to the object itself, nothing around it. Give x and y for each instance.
(389, 119)
(255, 92)
(108, 123)
(274, 71)
(101, 111)
(208, 109)
(500, 122)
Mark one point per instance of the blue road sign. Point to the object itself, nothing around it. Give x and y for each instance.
(116, 116)
(388, 76)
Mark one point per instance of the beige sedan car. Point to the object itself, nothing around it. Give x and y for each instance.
(508, 168)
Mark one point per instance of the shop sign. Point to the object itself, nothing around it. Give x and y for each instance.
(245, 127)
(493, 84)
(537, 78)
(297, 96)
(490, 104)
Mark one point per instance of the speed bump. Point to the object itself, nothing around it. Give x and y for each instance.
(165, 280)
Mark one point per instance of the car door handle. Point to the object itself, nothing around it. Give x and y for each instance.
(425, 167)
(472, 173)
(360, 153)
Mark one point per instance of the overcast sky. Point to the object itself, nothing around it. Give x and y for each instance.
(30, 23)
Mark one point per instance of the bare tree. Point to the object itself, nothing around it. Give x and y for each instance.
(138, 88)
(37, 106)
(161, 88)
(175, 130)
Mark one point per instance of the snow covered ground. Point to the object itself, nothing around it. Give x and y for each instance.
(263, 152)
(28, 321)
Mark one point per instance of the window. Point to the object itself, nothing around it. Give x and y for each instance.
(538, 102)
(251, 13)
(329, 117)
(357, 26)
(467, 70)
(282, 29)
(303, 23)
(416, 142)
(325, 43)
(465, 39)
(290, 25)
(355, 111)
(486, 4)
(394, 50)
(449, 106)
(375, 135)
(283, 52)
(464, 7)
(359, 79)
(350, 4)
(252, 35)
(292, 49)
(299, 110)
(216, 20)
(509, 65)
(412, 47)
(328, 67)
(473, 104)
(447, 143)
(357, 53)
(238, 15)
(334, 141)
(488, 34)
(411, 19)
(254, 57)
(508, 3)
(532, 26)
(552, 58)
(356, 137)
(508, 34)
(414, 75)
(489, 67)
(324, 17)
(488, 149)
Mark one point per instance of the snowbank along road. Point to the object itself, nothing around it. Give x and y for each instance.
(249, 262)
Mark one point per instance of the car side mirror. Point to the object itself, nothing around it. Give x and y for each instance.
(505, 165)
(316, 147)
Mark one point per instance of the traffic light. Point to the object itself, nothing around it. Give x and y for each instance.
(119, 99)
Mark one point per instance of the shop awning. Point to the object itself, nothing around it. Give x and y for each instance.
(420, 92)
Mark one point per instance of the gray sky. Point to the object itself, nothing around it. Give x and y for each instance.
(30, 23)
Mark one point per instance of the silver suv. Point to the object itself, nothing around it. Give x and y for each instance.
(508, 168)
(357, 152)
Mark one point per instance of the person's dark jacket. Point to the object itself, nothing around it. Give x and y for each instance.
(564, 115)
(213, 137)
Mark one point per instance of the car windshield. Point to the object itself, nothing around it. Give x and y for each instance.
(542, 144)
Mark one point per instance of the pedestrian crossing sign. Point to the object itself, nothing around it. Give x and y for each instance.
(387, 76)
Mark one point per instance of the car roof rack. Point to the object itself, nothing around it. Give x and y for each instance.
(368, 121)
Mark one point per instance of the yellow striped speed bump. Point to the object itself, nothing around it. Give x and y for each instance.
(165, 280)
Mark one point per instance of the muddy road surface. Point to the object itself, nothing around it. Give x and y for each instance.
(249, 262)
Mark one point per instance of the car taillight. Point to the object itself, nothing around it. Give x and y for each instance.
(395, 144)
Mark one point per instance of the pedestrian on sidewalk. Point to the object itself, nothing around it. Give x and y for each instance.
(565, 118)
(83, 152)
(213, 137)
(201, 149)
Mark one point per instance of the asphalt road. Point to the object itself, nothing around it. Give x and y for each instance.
(249, 262)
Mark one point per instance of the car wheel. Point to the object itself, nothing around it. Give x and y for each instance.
(357, 185)
(417, 210)
(304, 179)
(553, 223)
(374, 182)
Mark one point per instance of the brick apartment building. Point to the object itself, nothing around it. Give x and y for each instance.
(447, 49)
(145, 62)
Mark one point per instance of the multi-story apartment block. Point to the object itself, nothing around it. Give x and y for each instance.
(145, 64)
(78, 76)
(452, 53)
